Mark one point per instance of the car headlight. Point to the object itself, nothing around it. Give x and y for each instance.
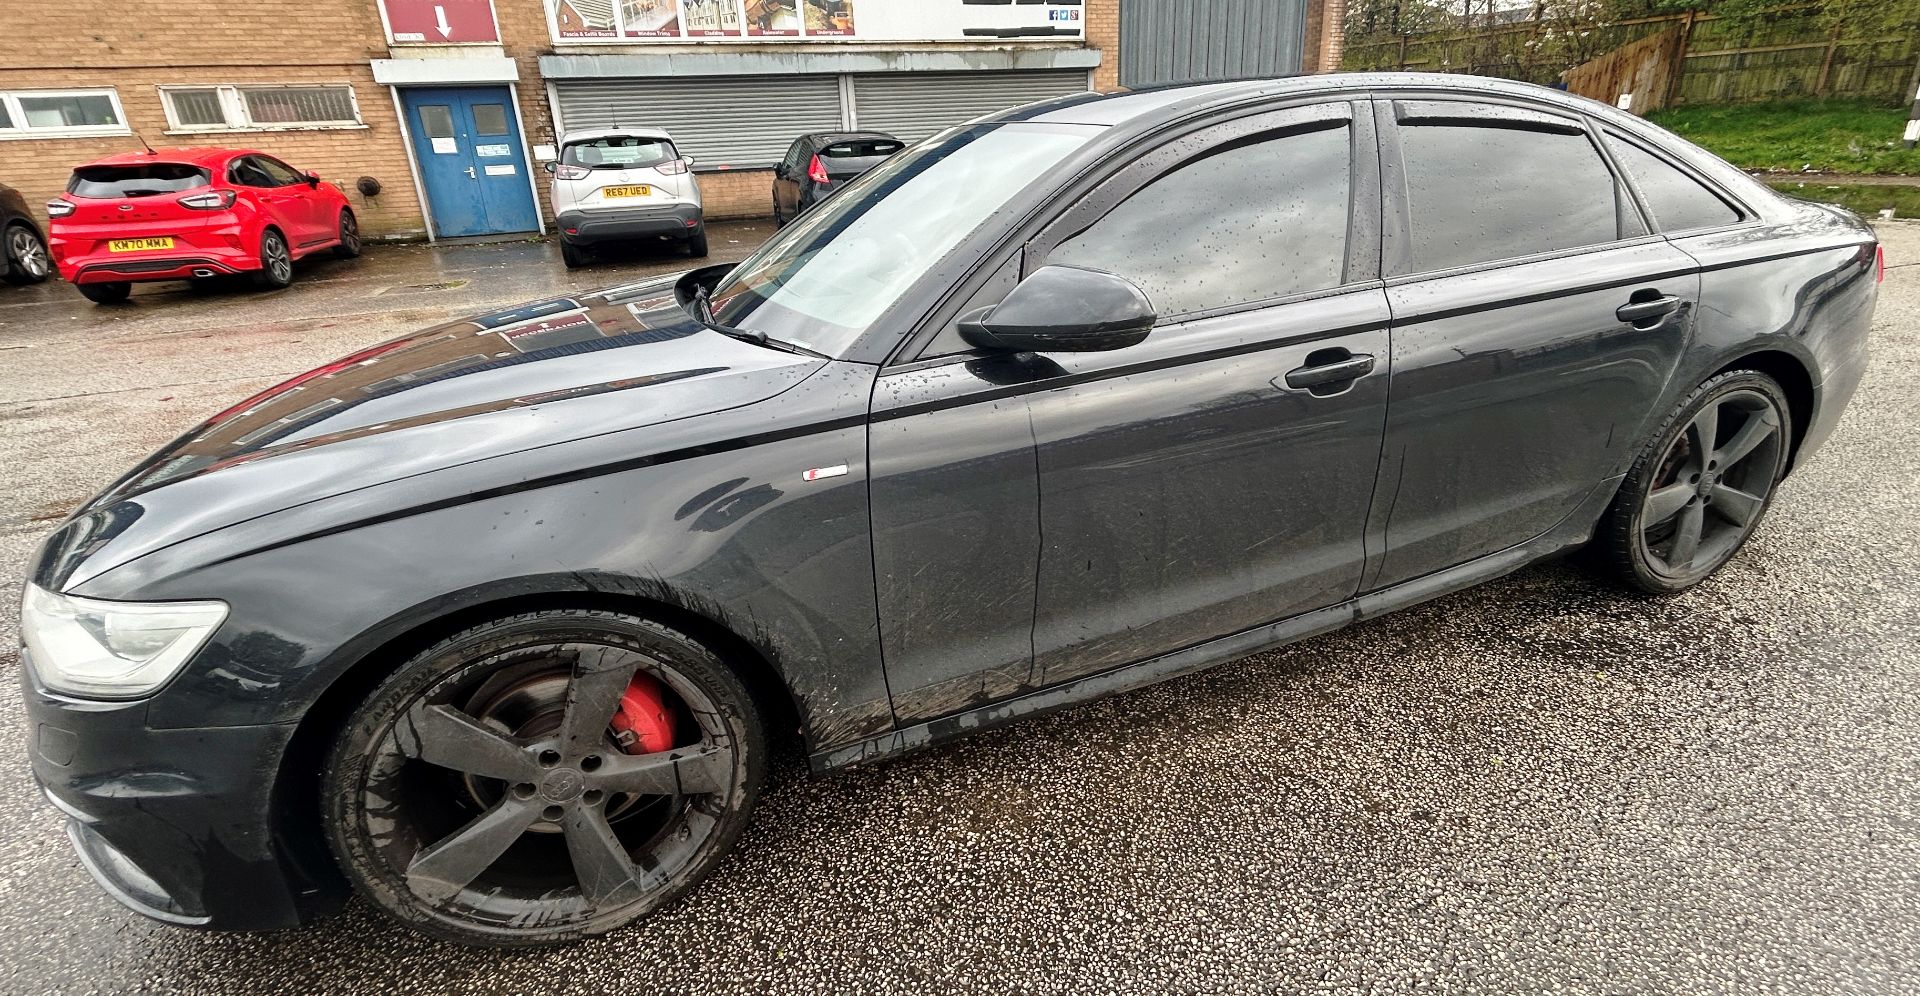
(111, 650)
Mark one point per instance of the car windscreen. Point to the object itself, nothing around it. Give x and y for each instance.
(864, 148)
(142, 180)
(824, 279)
(618, 152)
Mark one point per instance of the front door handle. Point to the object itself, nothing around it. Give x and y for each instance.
(1635, 312)
(470, 174)
(1332, 372)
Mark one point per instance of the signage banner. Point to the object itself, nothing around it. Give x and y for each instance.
(440, 22)
(625, 21)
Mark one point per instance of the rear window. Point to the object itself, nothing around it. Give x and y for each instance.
(144, 180)
(618, 152)
(865, 148)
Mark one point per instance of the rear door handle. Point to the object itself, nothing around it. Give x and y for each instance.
(1334, 372)
(1635, 312)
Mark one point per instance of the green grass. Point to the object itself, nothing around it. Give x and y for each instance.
(1864, 199)
(1839, 136)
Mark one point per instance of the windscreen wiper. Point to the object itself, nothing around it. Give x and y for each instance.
(703, 310)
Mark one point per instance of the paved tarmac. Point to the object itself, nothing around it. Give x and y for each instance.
(1540, 785)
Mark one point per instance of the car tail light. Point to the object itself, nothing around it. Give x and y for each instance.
(59, 209)
(817, 171)
(673, 167)
(565, 172)
(1879, 264)
(212, 200)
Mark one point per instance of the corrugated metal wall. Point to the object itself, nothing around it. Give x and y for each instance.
(911, 106)
(1173, 41)
(735, 121)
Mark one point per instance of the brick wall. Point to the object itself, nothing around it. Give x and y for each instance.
(1103, 33)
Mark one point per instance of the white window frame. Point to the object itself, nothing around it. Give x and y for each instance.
(233, 107)
(21, 131)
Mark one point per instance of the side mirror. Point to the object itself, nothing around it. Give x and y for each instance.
(552, 167)
(313, 179)
(1063, 309)
(690, 161)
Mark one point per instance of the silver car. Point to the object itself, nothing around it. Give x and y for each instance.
(624, 185)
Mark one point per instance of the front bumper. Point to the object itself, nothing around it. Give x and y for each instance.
(585, 228)
(177, 824)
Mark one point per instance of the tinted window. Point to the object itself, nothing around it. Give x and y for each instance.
(279, 173)
(1480, 192)
(1252, 222)
(490, 119)
(247, 172)
(1678, 202)
(144, 180)
(618, 152)
(436, 120)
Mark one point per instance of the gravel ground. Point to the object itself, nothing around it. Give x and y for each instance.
(1541, 785)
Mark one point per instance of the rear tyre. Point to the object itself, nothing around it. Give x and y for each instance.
(543, 777)
(276, 261)
(112, 293)
(349, 246)
(572, 255)
(26, 255)
(697, 242)
(1701, 486)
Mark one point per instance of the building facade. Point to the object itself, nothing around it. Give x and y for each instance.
(436, 117)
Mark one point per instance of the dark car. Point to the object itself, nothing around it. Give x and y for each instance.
(819, 164)
(500, 622)
(23, 247)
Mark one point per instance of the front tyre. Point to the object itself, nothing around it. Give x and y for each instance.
(349, 246)
(1699, 489)
(276, 261)
(543, 777)
(27, 261)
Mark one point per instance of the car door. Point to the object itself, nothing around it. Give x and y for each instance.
(1216, 477)
(786, 185)
(303, 209)
(1535, 324)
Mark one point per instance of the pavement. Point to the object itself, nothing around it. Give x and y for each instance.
(1539, 785)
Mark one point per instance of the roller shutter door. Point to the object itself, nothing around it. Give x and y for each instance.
(734, 121)
(911, 106)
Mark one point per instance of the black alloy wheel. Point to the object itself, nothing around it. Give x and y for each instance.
(276, 261)
(492, 791)
(26, 260)
(349, 246)
(1700, 489)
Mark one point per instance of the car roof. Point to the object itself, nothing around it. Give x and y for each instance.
(589, 134)
(830, 137)
(198, 156)
(1176, 100)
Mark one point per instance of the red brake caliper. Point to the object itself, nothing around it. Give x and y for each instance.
(642, 724)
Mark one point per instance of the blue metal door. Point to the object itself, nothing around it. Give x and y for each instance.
(467, 145)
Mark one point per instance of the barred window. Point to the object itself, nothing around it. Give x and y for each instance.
(243, 107)
(60, 113)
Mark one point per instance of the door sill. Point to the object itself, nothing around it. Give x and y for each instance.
(1573, 531)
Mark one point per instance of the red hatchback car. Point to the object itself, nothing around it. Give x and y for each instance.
(191, 214)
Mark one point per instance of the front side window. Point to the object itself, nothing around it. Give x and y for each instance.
(247, 172)
(618, 152)
(822, 281)
(1481, 192)
(59, 113)
(1678, 201)
(1262, 219)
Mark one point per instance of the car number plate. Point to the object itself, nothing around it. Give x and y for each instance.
(138, 245)
(638, 190)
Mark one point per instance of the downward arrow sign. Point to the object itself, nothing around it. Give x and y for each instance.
(440, 21)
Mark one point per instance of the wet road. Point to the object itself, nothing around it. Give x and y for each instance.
(1539, 785)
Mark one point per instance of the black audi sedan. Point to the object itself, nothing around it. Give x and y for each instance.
(819, 164)
(499, 623)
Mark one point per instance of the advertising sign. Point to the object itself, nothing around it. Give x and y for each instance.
(440, 22)
(620, 21)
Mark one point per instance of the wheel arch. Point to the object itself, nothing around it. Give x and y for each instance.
(297, 802)
(1793, 376)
